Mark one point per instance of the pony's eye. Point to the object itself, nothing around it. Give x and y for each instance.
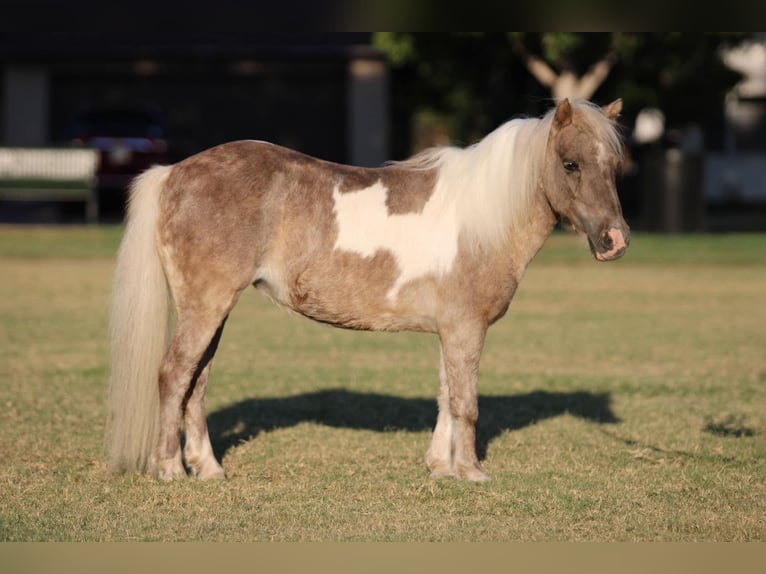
(571, 166)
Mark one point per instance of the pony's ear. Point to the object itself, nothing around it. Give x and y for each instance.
(612, 111)
(563, 115)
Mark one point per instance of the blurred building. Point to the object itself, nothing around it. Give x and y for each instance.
(183, 81)
(735, 178)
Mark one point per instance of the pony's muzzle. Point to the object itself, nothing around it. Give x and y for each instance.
(611, 244)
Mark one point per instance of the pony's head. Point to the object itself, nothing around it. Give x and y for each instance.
(583, 154)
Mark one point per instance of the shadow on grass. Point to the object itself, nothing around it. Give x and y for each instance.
(369, 411)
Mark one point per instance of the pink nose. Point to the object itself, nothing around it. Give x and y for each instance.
(618, 242)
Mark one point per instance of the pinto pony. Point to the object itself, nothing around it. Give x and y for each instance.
(437, 243)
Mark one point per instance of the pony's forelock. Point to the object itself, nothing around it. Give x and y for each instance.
(603, 128)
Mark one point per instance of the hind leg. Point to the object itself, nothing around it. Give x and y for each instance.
(178, 373)
(198, 452)
(182, 381)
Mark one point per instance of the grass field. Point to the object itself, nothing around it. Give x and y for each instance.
(622, 401)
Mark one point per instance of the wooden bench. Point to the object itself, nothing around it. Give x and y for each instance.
(50, 174)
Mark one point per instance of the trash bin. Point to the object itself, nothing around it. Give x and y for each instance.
(672, 190)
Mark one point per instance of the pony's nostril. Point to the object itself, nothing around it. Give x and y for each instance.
(606, 240)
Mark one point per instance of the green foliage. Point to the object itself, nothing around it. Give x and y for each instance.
(664, 70)
(399, 48)
(40, 242)
(561, 48)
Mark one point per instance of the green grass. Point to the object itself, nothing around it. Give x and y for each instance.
(619, 401)
(45, 242)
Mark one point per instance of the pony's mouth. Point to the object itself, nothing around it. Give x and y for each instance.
(610, 245)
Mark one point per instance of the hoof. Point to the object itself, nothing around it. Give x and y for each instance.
(439, 468)
(168, 470)
(441, 473)
(472, 473)
(210, 472)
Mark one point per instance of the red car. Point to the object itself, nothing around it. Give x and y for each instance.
(130, 140)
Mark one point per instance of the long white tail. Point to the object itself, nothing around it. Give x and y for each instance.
(139, 327)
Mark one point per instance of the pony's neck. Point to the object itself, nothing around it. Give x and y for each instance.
(529, 237)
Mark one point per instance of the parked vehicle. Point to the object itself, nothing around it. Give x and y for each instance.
(129, 140)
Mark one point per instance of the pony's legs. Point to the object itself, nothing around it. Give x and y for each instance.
(185, 365)
(198, 452)
(461, 350)
(439, 453)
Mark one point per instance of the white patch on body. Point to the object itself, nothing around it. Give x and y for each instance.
(422, 243)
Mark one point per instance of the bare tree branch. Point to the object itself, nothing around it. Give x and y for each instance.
(595, 76)
(566, 84)
(541, 71)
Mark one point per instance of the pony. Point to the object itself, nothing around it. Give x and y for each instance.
(437, 243)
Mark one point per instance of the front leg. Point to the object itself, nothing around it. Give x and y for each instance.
(439, 453)
(461, 346)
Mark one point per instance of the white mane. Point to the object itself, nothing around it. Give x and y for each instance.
(492, 184)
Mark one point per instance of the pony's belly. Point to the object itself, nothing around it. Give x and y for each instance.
(352, 309)
(369, 318)
(340, 299)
